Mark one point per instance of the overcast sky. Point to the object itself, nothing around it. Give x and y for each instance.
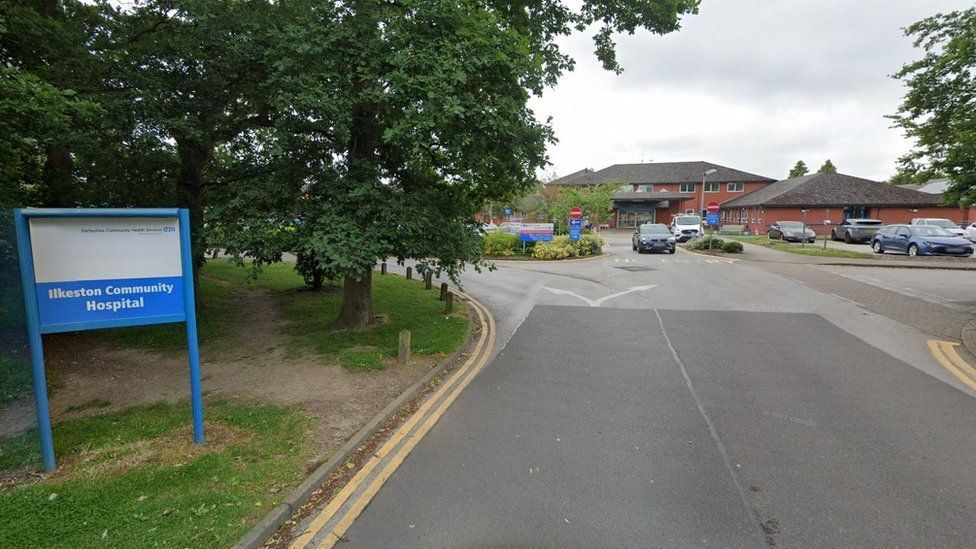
(750, 84)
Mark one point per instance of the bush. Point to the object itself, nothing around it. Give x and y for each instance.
(500, 244)
(702, 243)
(559, 248)
(732, 247)
(589, 244)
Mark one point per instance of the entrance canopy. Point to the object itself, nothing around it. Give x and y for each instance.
(636, 208)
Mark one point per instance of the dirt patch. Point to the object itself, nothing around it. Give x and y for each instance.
(254, 364)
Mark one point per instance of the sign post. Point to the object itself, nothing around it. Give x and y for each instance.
(575, 224)
(89, 269)
(711, 218)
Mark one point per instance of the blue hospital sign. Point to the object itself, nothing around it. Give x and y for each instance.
(89, 269)
(96, 269)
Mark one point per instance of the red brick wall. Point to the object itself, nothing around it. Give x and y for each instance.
(722, 195)
(758, 219)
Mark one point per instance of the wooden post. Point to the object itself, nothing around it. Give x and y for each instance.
(444, 291)
(403, 352)
(409, 273)
(449, 303)
(428, 281)
(383, 268)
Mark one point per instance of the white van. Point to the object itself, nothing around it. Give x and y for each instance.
(686, 226)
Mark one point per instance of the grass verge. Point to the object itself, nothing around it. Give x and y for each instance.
(403, 304)
(134, 478)
(811, 249)
(15, 379)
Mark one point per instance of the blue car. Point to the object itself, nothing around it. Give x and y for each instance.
(920, 240)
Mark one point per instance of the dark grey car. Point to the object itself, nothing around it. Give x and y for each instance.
(653, 237)
(792, 231)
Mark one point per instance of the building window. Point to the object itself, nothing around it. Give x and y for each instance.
(686, 188)
(646, 188)
(711, 187)
(625, 189)
(736, 187)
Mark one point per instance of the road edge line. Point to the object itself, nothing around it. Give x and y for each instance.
(359, 504)
(266, 528)
(935, 347)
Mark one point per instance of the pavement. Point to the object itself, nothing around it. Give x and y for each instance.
(683, 400)
(755, 252)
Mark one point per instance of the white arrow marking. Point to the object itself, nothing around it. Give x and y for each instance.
(598, 302)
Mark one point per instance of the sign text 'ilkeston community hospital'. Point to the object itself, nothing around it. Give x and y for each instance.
(111, 290)
(104, 269)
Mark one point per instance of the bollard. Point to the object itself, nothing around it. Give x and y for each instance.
(383, 268)
(403, 351)
(443, 290)
(428, 281)
(409, 273)
(449, 303)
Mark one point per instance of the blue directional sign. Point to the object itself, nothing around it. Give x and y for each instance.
(711, 219)
(575, 229)
(508, 211)
(85, 269)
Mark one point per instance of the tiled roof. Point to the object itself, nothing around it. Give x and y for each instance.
(829, 189)
(659, 172)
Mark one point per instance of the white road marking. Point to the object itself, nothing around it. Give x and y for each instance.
(619, 260)
(598, 302)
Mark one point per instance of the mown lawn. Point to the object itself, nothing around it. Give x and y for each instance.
(403, 305)
(815, 249)
(15, 379)
(134, 478)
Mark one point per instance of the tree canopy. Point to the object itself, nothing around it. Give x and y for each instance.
(345, 132)
(799, 169)
(938, 110)
(827, 167)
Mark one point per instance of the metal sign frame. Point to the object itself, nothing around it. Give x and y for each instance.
(35, 329)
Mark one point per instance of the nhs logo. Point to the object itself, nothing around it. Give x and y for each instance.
(169, 229)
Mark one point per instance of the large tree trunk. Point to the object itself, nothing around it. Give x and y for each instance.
(194, 157)
(59, 188)
(364, 137)
(357, 302)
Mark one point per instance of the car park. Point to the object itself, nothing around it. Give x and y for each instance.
(653, 237)
(917, 240)
(942, 223)
(685, 227)
(856, 230)
(791, 231)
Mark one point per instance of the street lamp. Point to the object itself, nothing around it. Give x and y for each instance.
(704, 174)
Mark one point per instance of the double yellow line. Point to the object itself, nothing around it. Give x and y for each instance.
(945, 353)
(402, 442)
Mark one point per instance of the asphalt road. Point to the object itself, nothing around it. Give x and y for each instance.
(676, 401)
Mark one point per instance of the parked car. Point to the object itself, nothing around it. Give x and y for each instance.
(972, 232)
(942, 223)
(488, 227)
(920, 240)
(855, 230)
(792, 231)
(510, 227)
(685, 227)
(652, 237)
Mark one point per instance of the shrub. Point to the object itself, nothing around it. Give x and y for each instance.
(589, 244)
(732, 247)
(701, 243)
(559, 248)
(500, 244)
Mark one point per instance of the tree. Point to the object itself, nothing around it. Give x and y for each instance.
(828, 167)
(913, 175)
(938, 111)
(430, 121)
(799, 170)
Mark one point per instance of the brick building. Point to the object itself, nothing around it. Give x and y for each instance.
(656, 191)
(834, 197)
